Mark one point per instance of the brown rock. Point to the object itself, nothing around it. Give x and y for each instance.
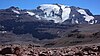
(17, 51)
(7, 50)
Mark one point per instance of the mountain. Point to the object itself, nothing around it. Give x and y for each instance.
(48, 24)
(66, 14)
(56, 13)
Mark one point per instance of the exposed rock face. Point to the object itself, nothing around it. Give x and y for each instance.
(97, 18)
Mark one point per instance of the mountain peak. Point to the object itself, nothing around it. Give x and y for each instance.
(13, 7)
(60, 13)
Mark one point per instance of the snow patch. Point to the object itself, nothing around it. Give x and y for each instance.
(65, 14)
(16, 11)
(96, 21)
(82, 12)
(30, 13)
(3, 32)
(73, 15)
(17, 16)
(92, 22)
(73, 22)
(56, 19)
(87, 17)
(37, 16)
(76, 21)
(47, 8)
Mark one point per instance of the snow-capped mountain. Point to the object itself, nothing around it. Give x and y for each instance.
(50, 12)
(64, 14)
(48, 21)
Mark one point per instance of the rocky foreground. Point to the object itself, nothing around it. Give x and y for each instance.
(31, 50)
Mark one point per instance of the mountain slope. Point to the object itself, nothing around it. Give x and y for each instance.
(49, 23)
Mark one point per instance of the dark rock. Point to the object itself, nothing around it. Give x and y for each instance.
(6, 50)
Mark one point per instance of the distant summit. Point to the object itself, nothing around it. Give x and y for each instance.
(13, 7)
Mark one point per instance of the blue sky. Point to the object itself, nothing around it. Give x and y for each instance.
(92, 5)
